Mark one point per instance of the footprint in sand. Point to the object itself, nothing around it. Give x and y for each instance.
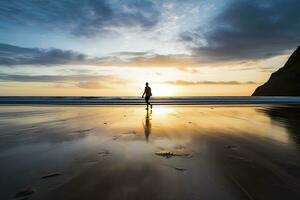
(51, 175)
(231, 147)
(84, 130)
(24, 193)
(104, 153)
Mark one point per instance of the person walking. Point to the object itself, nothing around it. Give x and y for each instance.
(147, 94)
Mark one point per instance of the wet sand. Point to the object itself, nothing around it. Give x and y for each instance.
(173, 152)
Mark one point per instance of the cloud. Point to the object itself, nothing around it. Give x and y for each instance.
(90, 85)
(14, 55)
(81, 18)
(248, 30)
(155, 60)
(18, 56)
(131, 54)
(81, 81)
(48, 78)
(187, 83)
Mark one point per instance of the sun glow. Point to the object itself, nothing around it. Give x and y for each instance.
(163, 90)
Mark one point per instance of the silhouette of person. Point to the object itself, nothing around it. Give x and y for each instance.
(147, 93)
(147, 125)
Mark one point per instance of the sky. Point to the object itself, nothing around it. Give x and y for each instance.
(112, 47)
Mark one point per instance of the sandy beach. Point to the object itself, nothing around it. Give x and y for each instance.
(174, 152)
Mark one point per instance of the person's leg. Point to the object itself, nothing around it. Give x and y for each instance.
(150, 103)
(147, 102)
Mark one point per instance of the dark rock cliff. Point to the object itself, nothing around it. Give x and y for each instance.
(285, 81)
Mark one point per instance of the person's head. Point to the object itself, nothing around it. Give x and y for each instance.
(147, 83)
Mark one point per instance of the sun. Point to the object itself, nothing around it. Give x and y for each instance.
(163, 90)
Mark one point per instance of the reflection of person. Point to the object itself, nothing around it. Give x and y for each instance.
(147, 93)
(147, 125)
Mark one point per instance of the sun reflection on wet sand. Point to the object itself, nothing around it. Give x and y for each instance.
(96, 145)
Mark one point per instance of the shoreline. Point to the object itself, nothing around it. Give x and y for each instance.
(245, 100)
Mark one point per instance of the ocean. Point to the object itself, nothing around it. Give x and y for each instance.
(123, 100)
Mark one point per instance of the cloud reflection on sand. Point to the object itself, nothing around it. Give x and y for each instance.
(96, 146)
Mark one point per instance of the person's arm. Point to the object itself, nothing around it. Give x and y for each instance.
(144, 93)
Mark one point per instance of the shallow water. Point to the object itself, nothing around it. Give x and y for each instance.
(113, 152)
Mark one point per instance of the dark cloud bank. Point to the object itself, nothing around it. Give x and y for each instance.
(248, 29)
(242, 30)
(81, 18)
